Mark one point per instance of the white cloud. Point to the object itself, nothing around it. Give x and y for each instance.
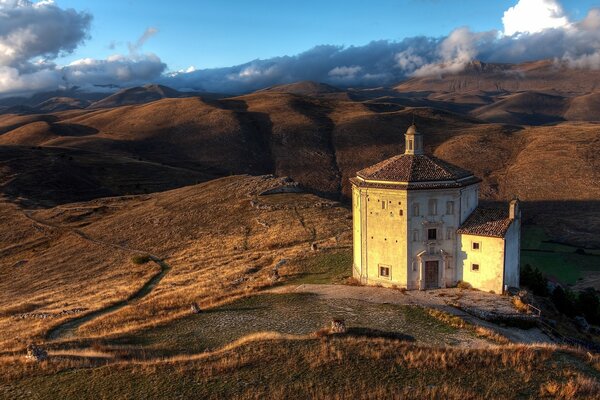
(533, 16)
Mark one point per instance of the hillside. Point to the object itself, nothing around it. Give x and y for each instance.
(540, 76)
(136, 95)
(303, 88)
(220, 239)
(321, 142)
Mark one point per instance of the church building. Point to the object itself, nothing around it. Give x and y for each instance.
(417, 225)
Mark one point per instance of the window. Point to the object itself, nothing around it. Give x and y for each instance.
(476, 245)
(401, 213)
(384, 271)
(416, 209)
(432, 234)
(450, 233)
(410, 144)
(383, 205)
(415, 235)
(450, 208)
(475, 267)
(433, 207)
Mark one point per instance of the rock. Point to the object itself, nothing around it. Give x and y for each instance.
(338, 326)
(281, 262)
(275, 275)
(195, 308)
(35, 353)
(582, 323)
(314, 246)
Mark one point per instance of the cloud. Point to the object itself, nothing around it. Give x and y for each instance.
(148, 33)
(117, 69)
(41, 29)
(32, 34)
(532, 16)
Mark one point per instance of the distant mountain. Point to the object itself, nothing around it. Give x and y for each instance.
(61, 104)
(541, 76)
(138, 95)
(303, 88)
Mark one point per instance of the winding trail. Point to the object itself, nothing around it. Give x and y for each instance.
(69, 328)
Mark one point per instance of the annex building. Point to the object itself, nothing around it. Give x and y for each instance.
(417, 224)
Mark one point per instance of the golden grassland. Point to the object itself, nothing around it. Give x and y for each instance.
(220, 239)
(271, 365)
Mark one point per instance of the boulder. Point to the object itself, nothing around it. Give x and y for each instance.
(338, 326)
(36, 353)
(195, 308)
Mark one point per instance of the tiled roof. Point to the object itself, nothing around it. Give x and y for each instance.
(487, 222)
(416, 185)
(413, 168)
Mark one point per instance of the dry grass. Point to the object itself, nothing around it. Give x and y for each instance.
(458, 322)
(331, 367)
(216, 249)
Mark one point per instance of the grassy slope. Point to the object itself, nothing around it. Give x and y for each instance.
(327, 368)
(556, 260)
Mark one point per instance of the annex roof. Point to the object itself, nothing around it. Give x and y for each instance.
(485, 221)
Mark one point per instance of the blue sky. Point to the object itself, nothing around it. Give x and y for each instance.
(238, 46)
(208, 34)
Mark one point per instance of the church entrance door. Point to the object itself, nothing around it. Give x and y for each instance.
(431, 274)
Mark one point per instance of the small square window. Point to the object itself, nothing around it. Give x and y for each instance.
(474, 267)
(476, 245)
(401, 213)
(432, 234)
(384, 271)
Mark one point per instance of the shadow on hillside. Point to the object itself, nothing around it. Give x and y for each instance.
(64, 129)
(573, 222)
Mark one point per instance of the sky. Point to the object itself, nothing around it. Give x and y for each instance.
(237, 46)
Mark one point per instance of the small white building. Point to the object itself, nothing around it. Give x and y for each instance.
(418, 225)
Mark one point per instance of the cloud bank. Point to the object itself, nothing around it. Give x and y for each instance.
(533, 30)
(34, 34)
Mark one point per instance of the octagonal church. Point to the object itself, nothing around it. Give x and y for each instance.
(417, 225)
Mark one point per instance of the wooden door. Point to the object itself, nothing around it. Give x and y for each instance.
(431, 274)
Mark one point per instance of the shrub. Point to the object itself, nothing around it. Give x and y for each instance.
(463, 285)
(588, 304)
(139, 259)
(564, 300)
(534, 280)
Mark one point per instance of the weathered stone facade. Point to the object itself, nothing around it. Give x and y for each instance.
(417, 225)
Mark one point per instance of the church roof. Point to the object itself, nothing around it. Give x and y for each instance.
(414, 168)
(485, 221)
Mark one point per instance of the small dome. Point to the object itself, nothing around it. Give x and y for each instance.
(412, 130)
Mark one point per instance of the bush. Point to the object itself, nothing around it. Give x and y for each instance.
(534, 280)
(588, 304)
(564, 300)
(139, 259)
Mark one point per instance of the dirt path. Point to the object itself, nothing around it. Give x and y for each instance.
(439, 299)
(69, 328)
